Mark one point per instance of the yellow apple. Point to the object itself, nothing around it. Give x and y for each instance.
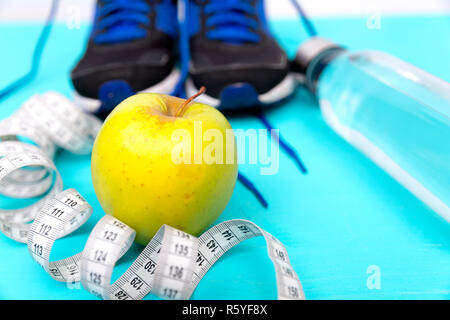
(156, 160)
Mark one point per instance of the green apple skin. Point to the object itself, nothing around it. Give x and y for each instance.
(136, 179)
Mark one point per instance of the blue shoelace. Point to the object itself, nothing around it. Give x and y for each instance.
(121, 21)
(231, 21)
(22, 81)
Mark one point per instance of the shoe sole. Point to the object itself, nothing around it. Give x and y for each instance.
(240, 95)
(166, 86)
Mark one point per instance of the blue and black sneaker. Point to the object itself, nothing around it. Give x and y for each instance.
(234, 55)
(131, 49)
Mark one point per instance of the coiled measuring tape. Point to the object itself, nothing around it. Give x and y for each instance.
(170, 266)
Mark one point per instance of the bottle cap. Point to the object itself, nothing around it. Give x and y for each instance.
(307, 53)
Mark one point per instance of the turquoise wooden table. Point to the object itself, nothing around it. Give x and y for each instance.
(350, 230)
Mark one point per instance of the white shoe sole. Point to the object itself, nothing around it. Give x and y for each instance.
(166, 87)
(277, 93)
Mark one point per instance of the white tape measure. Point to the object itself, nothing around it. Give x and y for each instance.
(170, 266)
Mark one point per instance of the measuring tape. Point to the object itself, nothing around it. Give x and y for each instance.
(170, 266)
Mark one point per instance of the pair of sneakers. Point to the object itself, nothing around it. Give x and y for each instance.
(224, 45)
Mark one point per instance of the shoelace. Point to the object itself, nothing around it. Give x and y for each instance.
(121, 21)
(22, 81)
(231, 21)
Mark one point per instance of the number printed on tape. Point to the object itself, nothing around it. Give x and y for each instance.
(170, 266)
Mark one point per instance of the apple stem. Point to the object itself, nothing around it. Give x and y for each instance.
(182, 109)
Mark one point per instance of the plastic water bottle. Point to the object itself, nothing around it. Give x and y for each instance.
(394, 113)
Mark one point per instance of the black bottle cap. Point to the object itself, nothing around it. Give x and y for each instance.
(308, 64)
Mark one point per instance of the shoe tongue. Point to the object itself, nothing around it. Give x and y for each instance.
(124, 26)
